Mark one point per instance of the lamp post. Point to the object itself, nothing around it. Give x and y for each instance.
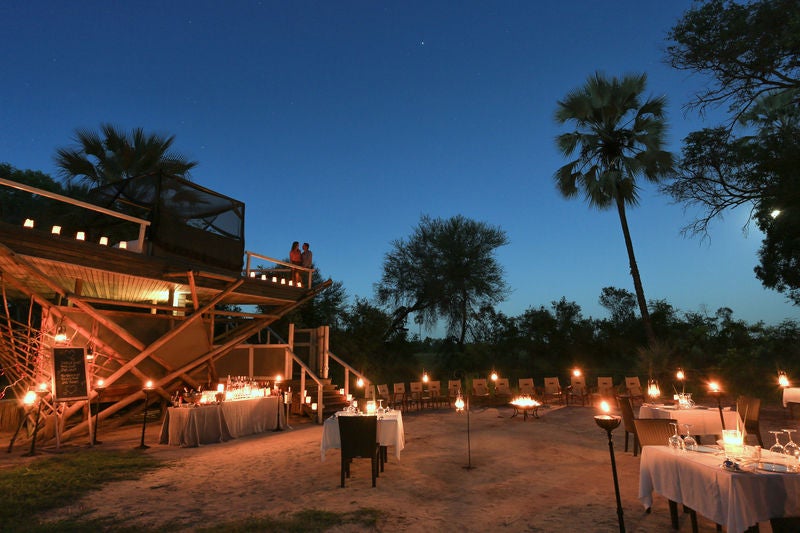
(610, 423)
(281, 402)
(714, 390)
(147, 388)
(27, 402)
(41, 393)
(99, 388)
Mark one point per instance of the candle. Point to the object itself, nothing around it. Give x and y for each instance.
(370, 407)
(220, 387)
(123, 245)
(28, 223)
(81, 236)
(314, 406)
(56, 230)
(103, 241)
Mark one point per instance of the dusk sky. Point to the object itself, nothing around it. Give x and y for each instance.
(341, 123)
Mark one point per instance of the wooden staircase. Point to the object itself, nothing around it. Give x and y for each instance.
(332, 400)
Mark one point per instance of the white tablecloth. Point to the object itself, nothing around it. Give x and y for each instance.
(736, 500)
(206, 424)
(704, 421)
(390, 433)
(791, 394)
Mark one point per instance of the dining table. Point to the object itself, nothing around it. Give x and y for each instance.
(701, 419)
(390, 432)
(737, 497)
(193, 425)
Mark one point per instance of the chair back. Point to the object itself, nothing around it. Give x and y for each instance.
(626, 408)
(654, 431)
(749, 408)
(453, 386)
(399, 388)
(501, 386)
(552, 386)
(435, 388)
(416, 388)
(479, 387)
(358, 435)
(526, 386)
(633, 385)
(578, 384)
(605, 386)
(383, 391)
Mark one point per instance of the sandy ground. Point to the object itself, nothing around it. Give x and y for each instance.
(546, 474)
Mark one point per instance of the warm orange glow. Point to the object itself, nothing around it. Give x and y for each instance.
(30, 398)
(493, 376)
(42, 387)
(783, 380)
(713, 386)
(101, 383)
(360, 383)
(278, 378)
(56, 230)
(459, 403)
(424, 377)
(680, 375)
(525, 401)
(103, 241)
(28, 223)
(576, 372)
(149, 384)
(123, 245)
(81, 236)
(605, 407)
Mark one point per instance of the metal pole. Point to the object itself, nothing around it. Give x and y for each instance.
(144, 446)
(35, 430)
(616, 482)
(97, 418)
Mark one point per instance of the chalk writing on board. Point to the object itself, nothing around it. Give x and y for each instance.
(69, 372)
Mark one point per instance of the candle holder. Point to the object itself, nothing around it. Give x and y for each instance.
(281, 402)
(147, 388)
(609, 423)
(99, 388)
(462, 405)
(27, 402)
(714, 390)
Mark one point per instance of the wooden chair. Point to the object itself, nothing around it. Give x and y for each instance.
(628, 421)
(383, 394)
(502, 391)
(359, 439)
(416, 395)
(577, 390)
(399, 397)
(552, 390)
(526, 387)
(750, 411)
(480, 391)
(435, 393)
(605, 390)
(453, 388)
(634, 388)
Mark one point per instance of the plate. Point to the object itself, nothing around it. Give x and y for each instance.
(773, 467)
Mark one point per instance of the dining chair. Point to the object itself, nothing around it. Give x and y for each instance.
(383, 394)
(577, 390)
(634, 388)
(653, 431)
(749, 410)
(552, 390)
(453, 389)
(435, 393)
(480, 391)
(526, 387)
(359, 439)
(399, 397)
(417, 395)
(628, 421)
(502, 390)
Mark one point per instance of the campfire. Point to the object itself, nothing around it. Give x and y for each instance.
(525, 404)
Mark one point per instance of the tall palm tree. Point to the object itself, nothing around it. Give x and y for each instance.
(113, 155)
(618, 138)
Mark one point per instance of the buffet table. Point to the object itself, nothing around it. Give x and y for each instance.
(390, 432)
(736, 500)
(207, 424)
(703, 420)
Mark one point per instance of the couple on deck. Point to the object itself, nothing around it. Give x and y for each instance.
(303, 259)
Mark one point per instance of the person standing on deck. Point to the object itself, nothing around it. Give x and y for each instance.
(296, 258)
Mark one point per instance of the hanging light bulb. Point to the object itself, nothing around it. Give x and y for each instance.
(61, 334)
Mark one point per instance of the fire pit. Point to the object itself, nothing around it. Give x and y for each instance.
(525, 405)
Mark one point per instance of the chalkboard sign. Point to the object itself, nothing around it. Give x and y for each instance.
(69, 374)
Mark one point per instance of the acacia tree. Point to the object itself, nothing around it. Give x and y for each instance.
(445, 270)
(751, 55)
(618, 138)
(114, 155)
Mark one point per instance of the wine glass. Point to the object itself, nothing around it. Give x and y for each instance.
(777, 447)
(675, 442)
(791, 447)
(689, 442)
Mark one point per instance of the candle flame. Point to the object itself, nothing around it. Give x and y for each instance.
(605, 407)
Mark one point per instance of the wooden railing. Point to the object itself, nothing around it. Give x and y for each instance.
(143, 224)
(347, 371)
(250, 271)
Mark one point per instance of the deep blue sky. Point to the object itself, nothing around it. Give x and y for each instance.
(341, 123)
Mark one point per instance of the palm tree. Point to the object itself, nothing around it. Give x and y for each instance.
(113, 155)
(617, 139)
